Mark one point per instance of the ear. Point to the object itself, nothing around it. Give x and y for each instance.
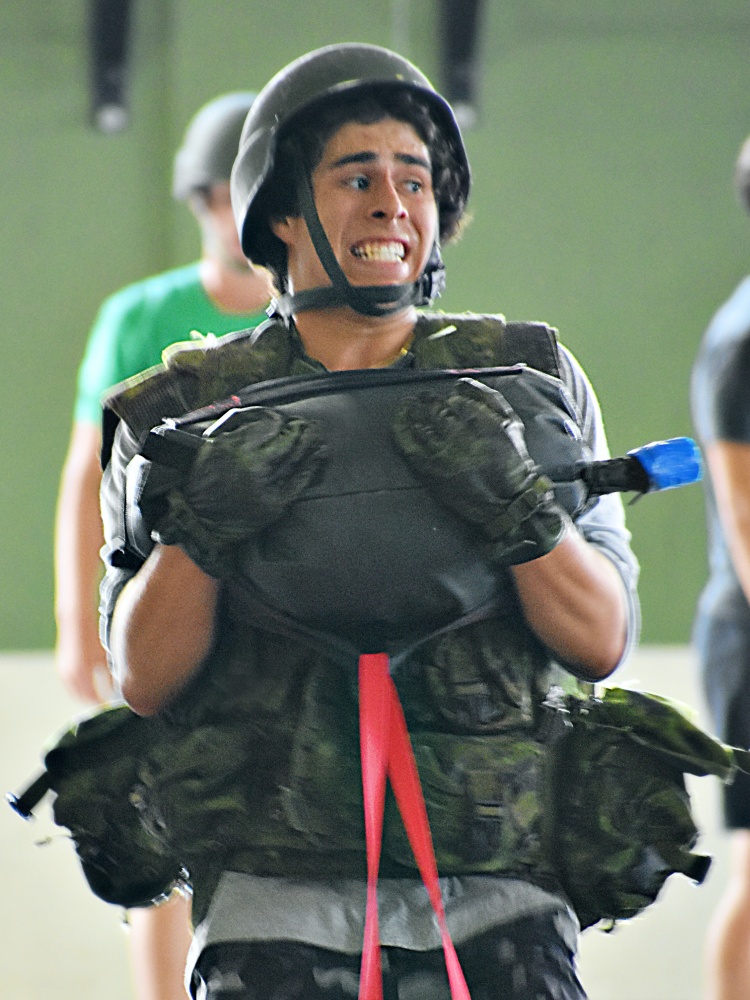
(281, 228)
(198, 203)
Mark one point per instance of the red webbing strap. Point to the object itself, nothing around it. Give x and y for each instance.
(386, 751)
(374, 727)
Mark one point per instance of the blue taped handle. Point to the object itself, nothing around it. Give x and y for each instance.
(676, 462)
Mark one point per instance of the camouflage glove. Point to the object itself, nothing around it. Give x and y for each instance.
(238, 484)
(469, 448)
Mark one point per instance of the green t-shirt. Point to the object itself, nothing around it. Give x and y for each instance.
(137, 323)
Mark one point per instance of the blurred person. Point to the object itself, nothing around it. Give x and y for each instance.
(217, 294)
(720, 399)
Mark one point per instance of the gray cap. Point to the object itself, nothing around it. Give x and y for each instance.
(210, 144)
(742, 175)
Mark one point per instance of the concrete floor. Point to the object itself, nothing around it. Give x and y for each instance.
(58, 941)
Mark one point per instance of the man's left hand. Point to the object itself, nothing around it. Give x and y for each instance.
(470, 450)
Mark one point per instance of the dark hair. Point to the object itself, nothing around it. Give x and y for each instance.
(742, 175)
(305, 136)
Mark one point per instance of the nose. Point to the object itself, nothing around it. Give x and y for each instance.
(388, 204)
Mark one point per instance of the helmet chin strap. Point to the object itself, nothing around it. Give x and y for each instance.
(369, 300)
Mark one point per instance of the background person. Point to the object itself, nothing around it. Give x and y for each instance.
(720, 396)
(351, 173)
(215, 295)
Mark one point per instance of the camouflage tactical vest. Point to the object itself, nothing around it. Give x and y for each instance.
(255, 766)
(472, 696)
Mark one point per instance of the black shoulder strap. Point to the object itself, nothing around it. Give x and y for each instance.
(535, 344)
(194, 374)
(484, 340)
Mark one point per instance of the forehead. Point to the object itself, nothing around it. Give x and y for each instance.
(388, 138)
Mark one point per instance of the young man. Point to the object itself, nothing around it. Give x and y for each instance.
(721, 413)
(215, 295)
(351, 173)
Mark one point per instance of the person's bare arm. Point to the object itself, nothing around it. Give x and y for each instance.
(80, 659)
(162, 628)
(160, 939)
(574, 600)
(729, 467)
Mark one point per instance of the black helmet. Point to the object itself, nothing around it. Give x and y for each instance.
(314, 78)
(210, 144)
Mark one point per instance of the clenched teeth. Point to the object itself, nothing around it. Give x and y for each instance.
(394, 251)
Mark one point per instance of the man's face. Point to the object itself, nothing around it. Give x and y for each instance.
(218, 228)
(373, 192)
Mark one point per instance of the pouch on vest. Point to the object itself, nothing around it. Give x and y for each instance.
(621, 822)
(483, 793)
(93, 771)
(593, 803)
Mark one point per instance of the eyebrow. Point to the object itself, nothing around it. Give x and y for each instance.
(368, 157)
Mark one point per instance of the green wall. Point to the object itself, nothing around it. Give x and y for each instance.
(602, 204)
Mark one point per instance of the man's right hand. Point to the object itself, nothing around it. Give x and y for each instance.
(239, 483)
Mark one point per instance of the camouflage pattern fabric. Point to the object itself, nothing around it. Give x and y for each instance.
(620, 821)
(597, 809)
(235, 773)
(196, 373)
(237, 484)
(471, 451)
(93, 768)
(482, 792)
